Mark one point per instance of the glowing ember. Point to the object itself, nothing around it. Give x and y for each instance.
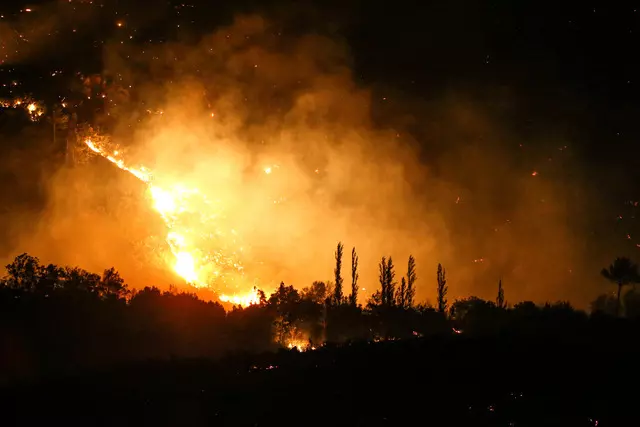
(300, 345)
(244, 300)
(35, 109)
(202, 255)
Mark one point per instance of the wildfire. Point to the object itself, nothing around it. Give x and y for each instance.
(203, 254)
(300, 345)
(244, 300)
(35, 109)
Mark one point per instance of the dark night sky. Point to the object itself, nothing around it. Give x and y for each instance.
(572, 67)
(572, 64)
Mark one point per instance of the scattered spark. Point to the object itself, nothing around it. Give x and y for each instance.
(244, 300)
(34, 109)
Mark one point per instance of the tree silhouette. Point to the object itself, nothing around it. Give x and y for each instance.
(375, 300)
(474, 315)
(381, 298)
(284, 302)
(622, 272)
(112, 285)
(80, 281)
(313, 311)
(262, 298)
(386, 295)
(23, 273)
(353, 298)
(442, 289)
(500, 303)
(411, 280)
(50, 279)
(401, 300)
(316, 293)
(27, 274)
(97, 319)
(390, 284)
(605, 303)
(338, 294)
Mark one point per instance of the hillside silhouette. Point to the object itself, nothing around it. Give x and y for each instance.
(74, 340)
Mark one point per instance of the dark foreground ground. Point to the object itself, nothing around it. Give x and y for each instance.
(559, 381)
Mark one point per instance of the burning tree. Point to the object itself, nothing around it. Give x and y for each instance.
(284, 302)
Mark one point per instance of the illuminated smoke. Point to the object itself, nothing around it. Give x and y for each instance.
(260, 153)
(192, 219)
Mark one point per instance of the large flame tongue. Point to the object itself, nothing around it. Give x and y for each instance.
(191, 220)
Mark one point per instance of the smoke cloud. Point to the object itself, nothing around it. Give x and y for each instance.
(251, 99)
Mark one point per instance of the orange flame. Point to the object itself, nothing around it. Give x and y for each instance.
(174, 203)
(35, 109)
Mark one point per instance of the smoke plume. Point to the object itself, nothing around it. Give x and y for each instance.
(273, 126)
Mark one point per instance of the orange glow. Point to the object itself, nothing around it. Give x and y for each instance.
(190, 217)
(250, 192)
(35, 109)
(300, 345)
(243, 300)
